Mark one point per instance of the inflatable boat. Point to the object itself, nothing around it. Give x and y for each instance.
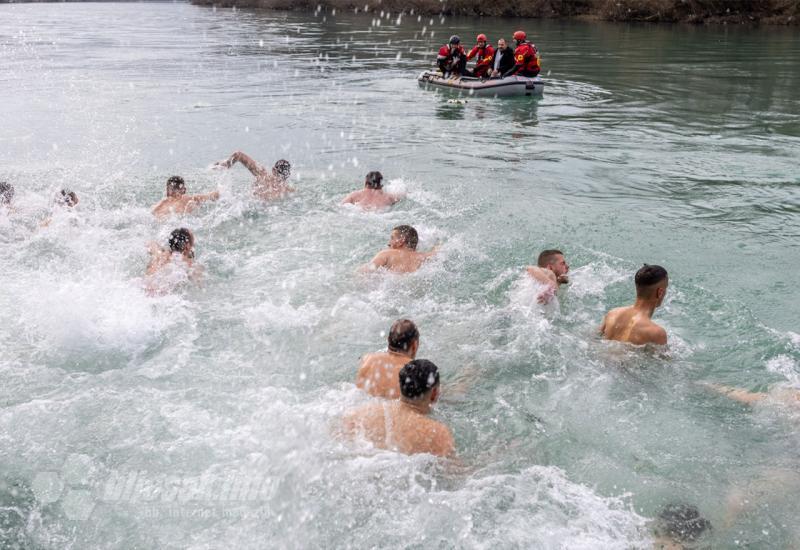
(493, 87)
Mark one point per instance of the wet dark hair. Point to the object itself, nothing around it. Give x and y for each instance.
(681, 523)
(409, 235)
(649, 275)
(6, 192)
(180, 239)
(547, 257)
(283, 169)
(417, 378)
(402, 335)
(67, 198)
(374, 180)
(176, 183)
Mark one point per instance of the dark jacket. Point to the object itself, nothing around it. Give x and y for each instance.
(503, 59)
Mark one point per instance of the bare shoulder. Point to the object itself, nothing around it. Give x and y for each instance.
(542, 275)
(655, 334)
(382, 257)
(442, 439)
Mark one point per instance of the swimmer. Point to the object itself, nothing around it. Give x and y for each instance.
(633, 324)
(402, 255)
(551, 271)
(403, 425)
(678, 525)
(65, 199)
(6, 196)
(378, 373)
(180, 253)
(782, 395)
(372, 197)
(177, 201)
(269, 185)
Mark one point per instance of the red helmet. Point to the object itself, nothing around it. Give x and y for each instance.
(520, 35)
(482, 38)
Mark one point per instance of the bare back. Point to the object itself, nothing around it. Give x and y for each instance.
(400, 260)
(379, 373)
(371, 199)
(185, 204)
(268, 187)
(631, 325)
(395, 426)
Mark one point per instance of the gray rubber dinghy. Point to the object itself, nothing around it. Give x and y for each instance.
(493, 87)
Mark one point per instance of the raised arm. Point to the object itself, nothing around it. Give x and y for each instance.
(255, 168)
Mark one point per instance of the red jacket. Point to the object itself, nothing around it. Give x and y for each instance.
(526, 57)
(446, 54)
(484, 59)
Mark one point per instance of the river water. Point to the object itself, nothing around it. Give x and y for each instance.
(202, 419)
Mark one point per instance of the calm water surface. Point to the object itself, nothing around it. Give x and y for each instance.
(202, 419)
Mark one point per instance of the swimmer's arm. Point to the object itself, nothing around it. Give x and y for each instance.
(214, 195)
(603, 325)
(255, 168)
(737, 394)
(380, 260)
(432, 252)
(544, 276)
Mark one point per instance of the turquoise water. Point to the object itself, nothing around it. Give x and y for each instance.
(202, 419)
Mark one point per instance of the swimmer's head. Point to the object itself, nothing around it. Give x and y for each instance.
(404, 337)
(554, 261)
(282, 169)
(419, 381)
(67, 198)
(6, 192)
(373, 180)
(681, 523)
(182, 241)
(404, 236)
(176, 186)
(651, 283)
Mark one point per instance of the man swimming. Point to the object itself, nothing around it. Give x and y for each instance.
(403, 425)
(6, 195)
(65, 199)
(177, 201)
(172, 265)
(269, 184)
(633, 324)
(551, 271)
(372, 197)
(378, 373)
(402, 255)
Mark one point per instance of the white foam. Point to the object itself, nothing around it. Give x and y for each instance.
(786, 367)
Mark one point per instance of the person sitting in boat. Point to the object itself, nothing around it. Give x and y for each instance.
(503, 59)
(452, 58)
(483, 52)
(526, 58)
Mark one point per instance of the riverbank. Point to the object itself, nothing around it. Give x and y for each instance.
(737, 12)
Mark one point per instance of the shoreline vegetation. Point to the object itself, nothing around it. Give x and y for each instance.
(726, 12)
